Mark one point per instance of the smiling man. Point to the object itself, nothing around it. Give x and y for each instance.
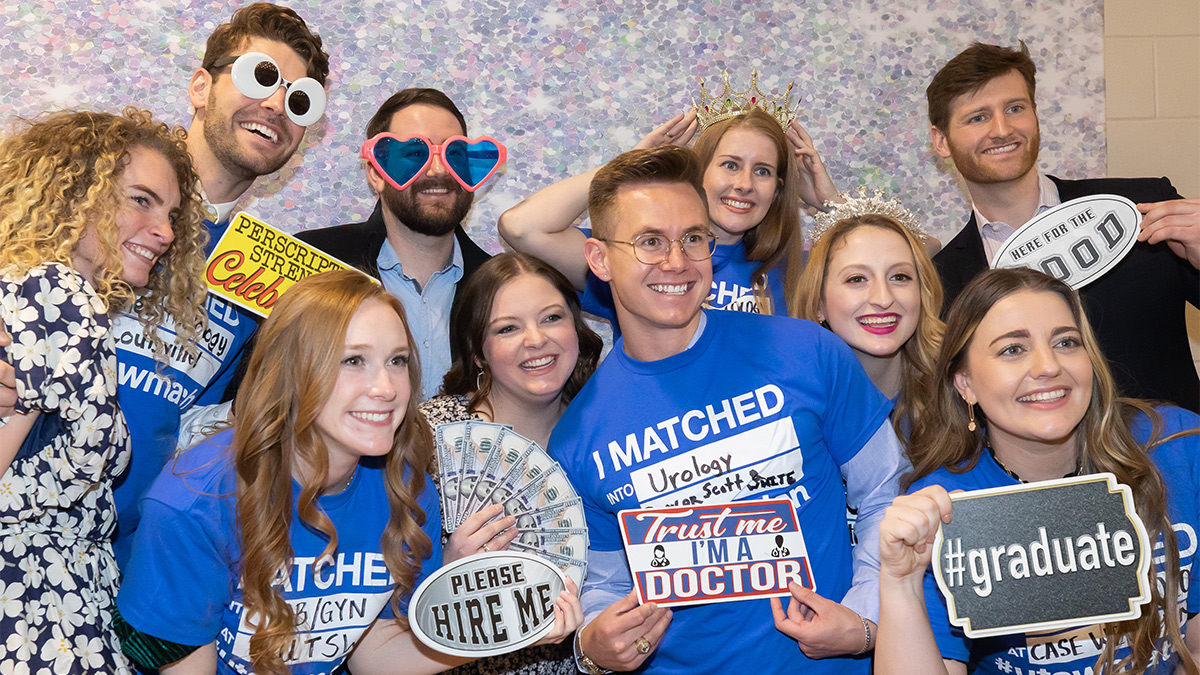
(260, 83)
(772, 407)
(983, 116)
(414, 241)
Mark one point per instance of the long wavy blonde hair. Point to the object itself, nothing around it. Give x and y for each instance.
(60, 176)
(289, 379)
(919, 351)
(940, 438)
(776, 240)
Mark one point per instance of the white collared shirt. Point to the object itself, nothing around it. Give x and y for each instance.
(995, 233)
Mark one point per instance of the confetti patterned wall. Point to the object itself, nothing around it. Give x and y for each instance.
(568, 84)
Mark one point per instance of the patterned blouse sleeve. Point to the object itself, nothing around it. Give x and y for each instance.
(64, 359)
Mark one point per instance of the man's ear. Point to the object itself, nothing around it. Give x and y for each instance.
(596, 255)
(940, 144)
(199, 88)
(374, 180)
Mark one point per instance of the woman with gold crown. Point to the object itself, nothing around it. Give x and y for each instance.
(761, 168)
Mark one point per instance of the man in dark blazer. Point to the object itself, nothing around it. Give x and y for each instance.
(983, 117)
(414, 242)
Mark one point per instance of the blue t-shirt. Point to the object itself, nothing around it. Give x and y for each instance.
(731, 287)
(155, 399)
(1075, 650)
(183, 582)
(776, 415)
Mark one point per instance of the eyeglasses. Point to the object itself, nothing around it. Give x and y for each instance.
(653, 249)
(257, 76)
(401, 160)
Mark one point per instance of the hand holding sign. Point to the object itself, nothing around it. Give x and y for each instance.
(821, 627)
(611, 639)
(1176, 222)
(907, 533)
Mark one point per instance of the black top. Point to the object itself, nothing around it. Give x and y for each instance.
(1136, 309)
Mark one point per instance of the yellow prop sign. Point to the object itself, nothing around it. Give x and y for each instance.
(254, 263)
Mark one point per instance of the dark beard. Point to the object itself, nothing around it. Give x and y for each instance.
(431, 222)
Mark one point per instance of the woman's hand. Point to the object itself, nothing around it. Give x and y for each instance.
(816, 187)
(477, 535)
(678, 130)
(568, 615)
(908, 530)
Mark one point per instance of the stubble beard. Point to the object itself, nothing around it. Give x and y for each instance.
(975, 171)
(220, 133)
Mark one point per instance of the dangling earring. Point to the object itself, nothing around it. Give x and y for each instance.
(483, 381)
(971, 416)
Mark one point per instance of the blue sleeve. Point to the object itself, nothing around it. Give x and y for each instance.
(178, 581)
(855, 407)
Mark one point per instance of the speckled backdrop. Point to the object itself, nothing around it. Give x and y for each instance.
(567, 84)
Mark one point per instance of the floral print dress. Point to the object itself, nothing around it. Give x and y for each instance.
(58, 578)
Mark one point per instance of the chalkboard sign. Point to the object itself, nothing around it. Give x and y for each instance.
(1043, 556)
(1076, 242)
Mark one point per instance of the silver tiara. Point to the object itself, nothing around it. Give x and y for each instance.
(863, 205)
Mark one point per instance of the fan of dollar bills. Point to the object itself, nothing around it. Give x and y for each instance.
(483, 463)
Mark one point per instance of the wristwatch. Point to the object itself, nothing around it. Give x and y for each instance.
(583, 662)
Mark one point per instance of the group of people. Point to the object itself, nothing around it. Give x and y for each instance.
(187, 490)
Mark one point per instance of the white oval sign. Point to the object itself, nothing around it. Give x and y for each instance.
(486, 604)
(1077, 241)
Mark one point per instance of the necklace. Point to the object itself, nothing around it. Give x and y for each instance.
(988, 446)
(344, 486)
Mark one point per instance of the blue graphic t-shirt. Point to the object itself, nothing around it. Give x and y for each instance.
(1074, 651)
(182, 583)
(154, 396)
(728, 419)
(731, 287)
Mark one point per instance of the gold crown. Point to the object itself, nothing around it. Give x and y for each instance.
(729, 103)
(863, 205)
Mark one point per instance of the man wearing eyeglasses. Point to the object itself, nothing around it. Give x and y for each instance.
(414, 241)
(261, 82)
(695, 406)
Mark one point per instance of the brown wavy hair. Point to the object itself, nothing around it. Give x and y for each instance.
(777, 238)
(968, 72)
(291, 374)
(473, 309)
(919, 351)
(940, 439)
(60, 175)
(272, 22)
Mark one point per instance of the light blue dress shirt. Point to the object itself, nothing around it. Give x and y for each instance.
(428, 311)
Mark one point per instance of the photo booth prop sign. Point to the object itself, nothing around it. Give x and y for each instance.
(1076, 242)
(486, 604)
(1043, 556)
(716, 552)
(254, 263)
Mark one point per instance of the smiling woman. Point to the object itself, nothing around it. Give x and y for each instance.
(92, 206)
(522, 352)
(1022, 393)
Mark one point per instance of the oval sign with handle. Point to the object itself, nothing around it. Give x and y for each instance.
(1077, 241)
(486, 604)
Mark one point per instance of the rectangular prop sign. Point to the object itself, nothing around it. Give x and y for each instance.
(254, 263)
(1043, 556)
(715, 552)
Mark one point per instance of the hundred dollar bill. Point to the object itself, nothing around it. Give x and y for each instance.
(481, 443)
(576, 538)
(574, 568)
(550, 488)
(564, 514)
(530, 461)
(449, 441)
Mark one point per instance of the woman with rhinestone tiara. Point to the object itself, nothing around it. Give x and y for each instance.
(869, 279)
(761, 168)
